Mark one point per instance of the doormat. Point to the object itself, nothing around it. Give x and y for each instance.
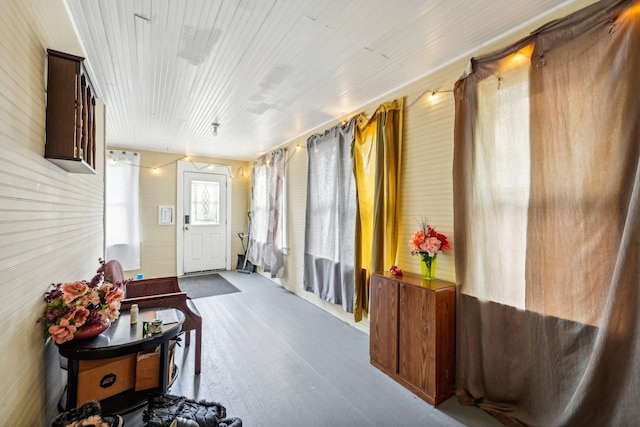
(208, 285)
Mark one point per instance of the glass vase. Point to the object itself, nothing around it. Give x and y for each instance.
(428, 266)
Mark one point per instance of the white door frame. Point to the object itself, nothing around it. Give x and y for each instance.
(188, 166)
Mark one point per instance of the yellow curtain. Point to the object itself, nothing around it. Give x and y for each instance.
(376, 154)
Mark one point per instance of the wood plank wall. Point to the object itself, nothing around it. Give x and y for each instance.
(51, 223)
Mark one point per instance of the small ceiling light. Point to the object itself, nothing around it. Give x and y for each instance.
(215, 128)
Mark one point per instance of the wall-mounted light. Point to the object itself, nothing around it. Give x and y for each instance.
(215, 128)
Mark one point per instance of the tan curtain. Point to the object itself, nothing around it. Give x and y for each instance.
(547, 224)
(376, 156)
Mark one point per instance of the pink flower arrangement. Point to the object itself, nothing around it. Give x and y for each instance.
(427, 241)
(72, 305)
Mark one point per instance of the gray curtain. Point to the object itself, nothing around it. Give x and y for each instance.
(547, 224)
(266, 241)
(330, 220)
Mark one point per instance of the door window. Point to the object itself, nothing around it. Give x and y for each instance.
(205, 202)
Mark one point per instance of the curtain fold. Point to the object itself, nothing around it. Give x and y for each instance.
(122, 229)
(266, 241)
(547, 223)
(376, 153)
(330, 217)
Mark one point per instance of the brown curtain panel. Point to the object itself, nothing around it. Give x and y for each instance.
(547, 224)
(376, 154)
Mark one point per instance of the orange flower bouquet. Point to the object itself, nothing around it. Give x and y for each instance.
(427, 243)
(72, 307)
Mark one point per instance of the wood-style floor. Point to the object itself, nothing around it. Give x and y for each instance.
(276, 360)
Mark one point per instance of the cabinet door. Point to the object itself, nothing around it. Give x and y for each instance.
(383, 326)
(417, 353)
(61, 107)
(445, 342)
(70, 131)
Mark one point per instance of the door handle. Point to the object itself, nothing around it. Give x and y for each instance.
(186, 227)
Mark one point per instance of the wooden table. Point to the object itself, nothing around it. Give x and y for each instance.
(120, 339)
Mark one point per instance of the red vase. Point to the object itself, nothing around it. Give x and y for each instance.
(92, 329)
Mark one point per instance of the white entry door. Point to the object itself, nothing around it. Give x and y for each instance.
(205, 221)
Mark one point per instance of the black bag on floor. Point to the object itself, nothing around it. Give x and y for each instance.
(164, 409)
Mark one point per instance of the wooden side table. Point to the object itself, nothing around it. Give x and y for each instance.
(120, 339)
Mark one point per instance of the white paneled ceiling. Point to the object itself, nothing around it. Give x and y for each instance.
(268, 70)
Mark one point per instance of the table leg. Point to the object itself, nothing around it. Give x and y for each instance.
(164, 368)
(72, 383)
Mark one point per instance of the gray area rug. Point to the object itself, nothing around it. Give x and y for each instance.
(208, 285)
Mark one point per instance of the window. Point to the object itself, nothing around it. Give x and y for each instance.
(268, 213)
(205, 203)
(122, 234)
(501, 177)
(331, 217)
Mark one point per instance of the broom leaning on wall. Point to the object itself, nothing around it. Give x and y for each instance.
(244, 266)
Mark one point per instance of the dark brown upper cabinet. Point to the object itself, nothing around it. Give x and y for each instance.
(71, 127)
